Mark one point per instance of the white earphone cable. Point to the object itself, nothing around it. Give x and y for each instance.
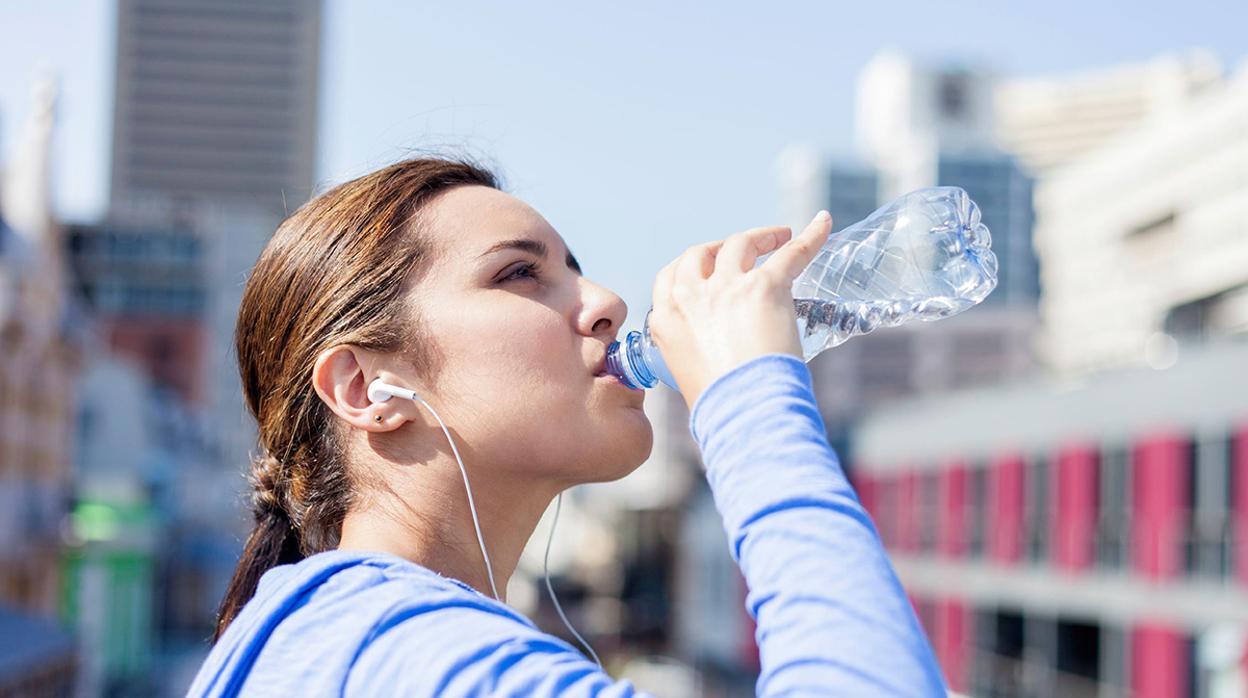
(476, 523)
(549, 588)
(472, 507)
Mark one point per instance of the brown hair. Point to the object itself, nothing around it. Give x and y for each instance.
(334, 273)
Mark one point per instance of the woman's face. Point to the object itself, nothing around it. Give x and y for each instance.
(522, 334)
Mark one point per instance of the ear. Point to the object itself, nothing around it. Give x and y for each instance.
(341, 381)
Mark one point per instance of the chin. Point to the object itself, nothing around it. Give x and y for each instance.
(635, 453)
(627, 453)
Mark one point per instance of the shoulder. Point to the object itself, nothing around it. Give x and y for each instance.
(381, 590)
(313, 622)
(460, 652)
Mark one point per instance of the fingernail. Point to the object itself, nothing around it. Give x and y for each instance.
(822, 216)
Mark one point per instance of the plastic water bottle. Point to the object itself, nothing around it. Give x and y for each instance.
(924, 256)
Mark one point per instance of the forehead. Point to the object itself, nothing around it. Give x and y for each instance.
(467, 220)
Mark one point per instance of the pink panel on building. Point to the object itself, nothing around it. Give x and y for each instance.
(865, 487)
(885, 511)
(1159, 496)
(907, 516)
(1075, 524)
(952, 641)
(1239, 479)
(952, 529)
(1005, 532)
(1158, 662)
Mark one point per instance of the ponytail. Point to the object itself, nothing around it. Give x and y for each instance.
(273, 541)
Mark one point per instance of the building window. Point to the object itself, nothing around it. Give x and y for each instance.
(1001, 644)
(1220, 314)
(1078, 658)
(1036, 508)
(977, 509)
(929, 509)
(1113, 507)
(1207, 548)
(953, 95)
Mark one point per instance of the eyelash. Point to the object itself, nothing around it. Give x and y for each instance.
(529, 270)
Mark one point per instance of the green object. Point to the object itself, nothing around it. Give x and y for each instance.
(108, 591)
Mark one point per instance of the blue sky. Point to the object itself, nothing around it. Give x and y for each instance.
(637, 130)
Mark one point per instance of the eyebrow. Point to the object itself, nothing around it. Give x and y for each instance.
(536, 247)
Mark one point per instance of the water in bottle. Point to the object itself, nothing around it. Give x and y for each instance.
(924, 256)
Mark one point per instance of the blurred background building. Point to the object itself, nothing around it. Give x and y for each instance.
(216, 100)
(39, 377)
(1052, 121)
(124, 433)
(1147, 238)
(1082, 532)
(1064, 514)
(919, 125)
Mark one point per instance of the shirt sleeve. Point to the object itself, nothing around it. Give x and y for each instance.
(832, 617)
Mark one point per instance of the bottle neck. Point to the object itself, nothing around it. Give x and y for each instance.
(626, 360)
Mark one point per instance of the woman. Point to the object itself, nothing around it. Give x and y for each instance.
(363, 575)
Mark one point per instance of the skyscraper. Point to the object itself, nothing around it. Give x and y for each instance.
(216, 101)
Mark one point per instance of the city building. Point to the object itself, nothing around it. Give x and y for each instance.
(216, 101)
(1144, 242)
(849, 190)
(1074, 542)
(145, 287)
(1083, 534)
(853, 193)
(1048, 122)
(1004, 194)
(165, 435)
(920, 125)
(1058, 538)
(38, 372)
(214, 141)
(910, 113)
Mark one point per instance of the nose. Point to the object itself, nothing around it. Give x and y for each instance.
(602, 311)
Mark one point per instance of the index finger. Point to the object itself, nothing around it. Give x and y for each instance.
(740, 250)
(797, 254)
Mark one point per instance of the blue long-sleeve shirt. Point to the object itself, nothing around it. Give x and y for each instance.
(832, 618)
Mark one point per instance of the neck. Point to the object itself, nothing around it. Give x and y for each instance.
(426, 519)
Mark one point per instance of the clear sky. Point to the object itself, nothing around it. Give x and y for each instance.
(637, 129)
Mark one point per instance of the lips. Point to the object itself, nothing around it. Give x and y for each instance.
(600, 366)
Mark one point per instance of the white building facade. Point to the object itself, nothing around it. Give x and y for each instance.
(1146, 242)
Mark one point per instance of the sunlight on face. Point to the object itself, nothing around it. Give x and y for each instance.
(523, 333)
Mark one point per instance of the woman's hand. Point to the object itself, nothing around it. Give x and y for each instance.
(713, 310)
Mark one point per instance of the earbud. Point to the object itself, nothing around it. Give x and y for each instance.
(379, 391)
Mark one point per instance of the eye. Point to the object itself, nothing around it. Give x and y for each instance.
(526, 270)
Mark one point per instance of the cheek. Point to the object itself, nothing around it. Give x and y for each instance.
(511, 368)
(522, 391)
